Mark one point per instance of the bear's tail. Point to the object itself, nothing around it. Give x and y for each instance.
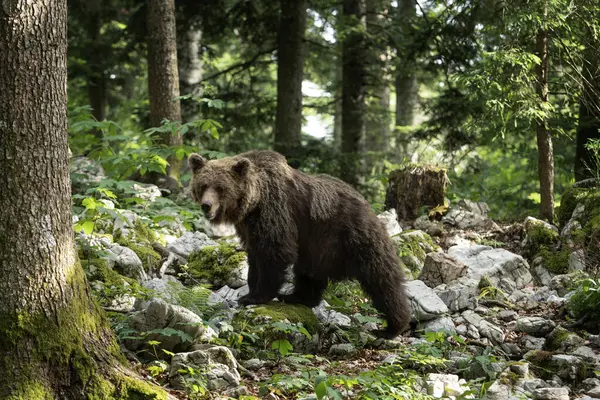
(383, 280)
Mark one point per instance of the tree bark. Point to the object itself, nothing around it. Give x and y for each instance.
(163, 77)
(189, 60)
(290, 53)
(379, 132)
(55, 342)
(96, 82)
(354, 72)
(544, 138)
(406, 81)
(586, 165)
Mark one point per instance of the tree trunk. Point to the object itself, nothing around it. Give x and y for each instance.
(189, 61)
(290, 53)
(55, 341)
(378, 135)
(586, 165)
(163, 77)
(354, 72)
(96, 81)
(412, 188)
(544, 139)
(406, 81)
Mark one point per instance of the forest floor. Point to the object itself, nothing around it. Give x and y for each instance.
(496, 307)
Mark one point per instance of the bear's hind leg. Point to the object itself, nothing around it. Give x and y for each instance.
(385, 286)
(307, 291)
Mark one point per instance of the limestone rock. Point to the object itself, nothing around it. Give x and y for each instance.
(440, 268)
(425, 304)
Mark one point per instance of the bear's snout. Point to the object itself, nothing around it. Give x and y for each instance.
(206, 206)
(209, 203)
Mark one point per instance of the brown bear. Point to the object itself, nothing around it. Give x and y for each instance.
(318, 223)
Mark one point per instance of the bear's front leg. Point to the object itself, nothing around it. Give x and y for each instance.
(266, 274)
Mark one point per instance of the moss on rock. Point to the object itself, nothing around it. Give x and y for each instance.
(539, 235)
(113, 283)
(294, 313)
(150, 258)
(555, 262)
(215, 263)
(412, 247)
(590, 198)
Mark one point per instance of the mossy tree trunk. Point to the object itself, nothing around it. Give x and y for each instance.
(290, 71)
(544, 138)
(163, 76)
(55, 342)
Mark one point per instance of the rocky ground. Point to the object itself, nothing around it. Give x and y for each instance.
(499, 311)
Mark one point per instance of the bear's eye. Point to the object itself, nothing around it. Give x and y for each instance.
(220, 189)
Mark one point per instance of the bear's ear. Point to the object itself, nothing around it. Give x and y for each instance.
(196, 162)
(241, 167)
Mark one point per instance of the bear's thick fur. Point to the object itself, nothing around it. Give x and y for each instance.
(318, 223)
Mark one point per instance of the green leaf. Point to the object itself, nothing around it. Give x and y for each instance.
(321, 386)
(86, 225)
(283, 346)
(90, 203)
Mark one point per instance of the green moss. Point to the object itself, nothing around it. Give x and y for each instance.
(63, 342)
(135, 389)
(215, 263)
(484, 282)
(591, 200)
(539, 236)
(556, 338)
(538, 357)
(143, 233)
(115, 284)
(568, 203)
(509, 378)
(579, 238)
(555, 262)
(32, 389)
(414, 243)
(150, 258)
(140, 242)
(292, 312)
(59, 339)
(120, 386)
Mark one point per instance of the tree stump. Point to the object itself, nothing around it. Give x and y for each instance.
(413, 187)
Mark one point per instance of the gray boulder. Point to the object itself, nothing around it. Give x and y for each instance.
(501, 268)
(390, 220)
(440, 268)
(468, 214)
(460, 294)
(216, 364)
(536, 326)
(127, 262)
(189, 243)
(177, 328)
(425, 303)
(331, 317)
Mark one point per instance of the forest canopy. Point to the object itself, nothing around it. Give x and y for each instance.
(450, 83)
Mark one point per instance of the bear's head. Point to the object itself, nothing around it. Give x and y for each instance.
(224, 188)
